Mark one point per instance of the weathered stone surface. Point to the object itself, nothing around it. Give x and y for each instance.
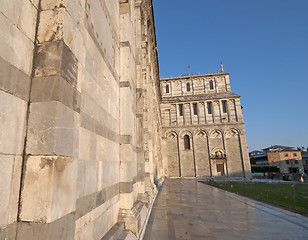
(55, 58)
(16, 47)
(91, 126)
(10, 172)
(12, 127)
(51, 25)
(62, 229)
(27, 18)
(14, 81)
(55, 88)
(51, 129)
(52, 180)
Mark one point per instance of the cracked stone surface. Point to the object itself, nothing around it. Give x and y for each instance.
(187, 209)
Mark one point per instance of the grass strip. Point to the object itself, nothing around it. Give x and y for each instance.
(293, 197)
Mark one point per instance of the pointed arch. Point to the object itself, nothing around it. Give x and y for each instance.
(233, 132)
(188, 87)
(216, 133)
(211, 82)
(167, 88)
(185, 132)
(218, 153)
(200, 133)
(171, 133)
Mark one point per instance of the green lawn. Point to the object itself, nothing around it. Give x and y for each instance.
(291, 196)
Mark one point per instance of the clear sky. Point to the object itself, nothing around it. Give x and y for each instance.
(264, 46)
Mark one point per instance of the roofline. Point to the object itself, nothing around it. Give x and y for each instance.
(195, 76)
(278, 146)
(285, 150)
(182, 99)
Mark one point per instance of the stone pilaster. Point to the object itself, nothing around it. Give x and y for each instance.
(50, 166)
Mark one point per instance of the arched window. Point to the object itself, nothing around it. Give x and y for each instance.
(186, 142)
(167, 88)
(211, 84)
(188, 87)
(209, 108)
(181, 109)
(224, 106)
(195, 108)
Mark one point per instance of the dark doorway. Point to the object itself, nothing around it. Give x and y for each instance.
(220, 169)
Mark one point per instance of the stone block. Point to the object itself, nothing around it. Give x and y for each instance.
(16, 47)
(35, 3)
(112, 191)
(10, 9)
(55, 88)
(85, 205)
(27, 18)
(14, 81)
(55, 58)
(100, 226)
(49, 190)
(10, 171)
(80, 179)
(126, 200)
(51, 25)
(125, 171)
(12, 127)
(91, 178)
(8, 231)
(100, 148)
(51, 129)
(85, 233)
(61, 229)
(53, 4)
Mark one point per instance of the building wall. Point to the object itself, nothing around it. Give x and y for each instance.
(80, 122)
(216, 132)
(18, 23)
(286, 159)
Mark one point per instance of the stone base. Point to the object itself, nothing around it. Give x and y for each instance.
(134, 218)
(144, 198)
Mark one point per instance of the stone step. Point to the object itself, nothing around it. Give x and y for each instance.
(115, 232)
(127, 235)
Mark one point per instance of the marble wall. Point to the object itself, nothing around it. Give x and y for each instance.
(78, 150)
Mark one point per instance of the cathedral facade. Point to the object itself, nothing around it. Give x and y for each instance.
(203, 128)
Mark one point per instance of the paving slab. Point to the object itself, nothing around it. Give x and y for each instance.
(188, 209)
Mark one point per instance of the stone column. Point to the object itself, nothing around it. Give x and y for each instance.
(173, 113)
(201, 113)
(187, 113)
(245, 154)
(128, 157)
(231, 111)
(238, 109)
(216, 111)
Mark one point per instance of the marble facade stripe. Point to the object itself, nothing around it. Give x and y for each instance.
(14, 81)
(89, 202)
(55, 88)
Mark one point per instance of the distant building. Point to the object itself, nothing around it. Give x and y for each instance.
(287, 159)
(305, 163)
(203, 127)
(258, 158)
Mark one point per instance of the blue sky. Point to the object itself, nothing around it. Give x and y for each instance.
(264, 46)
